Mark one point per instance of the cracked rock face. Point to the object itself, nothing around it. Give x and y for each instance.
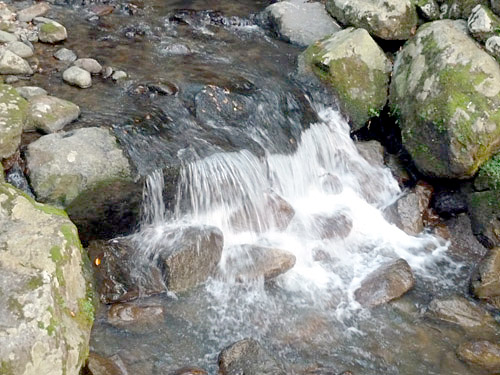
(446, 92)
(46, 319)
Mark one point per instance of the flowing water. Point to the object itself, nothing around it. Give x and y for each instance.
(248, 134)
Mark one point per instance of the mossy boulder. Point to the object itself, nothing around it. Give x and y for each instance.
(48, 309)
(446, 92)
(460, 9)
(386, 19)
(428, 9)
(357, 70)
(483, 23)
(52, 32)
(13, 110)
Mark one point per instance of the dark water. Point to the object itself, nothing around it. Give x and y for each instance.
(230, 86)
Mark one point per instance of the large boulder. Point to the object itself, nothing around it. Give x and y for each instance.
(446, 92)
(386, 19)
(47, 309)
(13, 109)
(300, 22)
(248, 357)
(390, 281)
(357, 70)
(63, 165)
(486, 281)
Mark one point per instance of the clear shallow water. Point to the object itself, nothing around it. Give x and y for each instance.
(308, 315)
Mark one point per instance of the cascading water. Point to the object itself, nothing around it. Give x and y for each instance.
(323, 204)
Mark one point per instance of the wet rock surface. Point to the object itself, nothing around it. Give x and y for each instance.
(484, 354)
(386, 283)
(486, 282)
(249, 357)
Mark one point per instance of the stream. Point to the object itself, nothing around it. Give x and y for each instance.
(242, 124)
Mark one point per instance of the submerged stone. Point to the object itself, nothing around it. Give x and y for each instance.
(390, 281)
(122, 315)
(446, 92)
(248, 357)
(484, 354)
(357, 70)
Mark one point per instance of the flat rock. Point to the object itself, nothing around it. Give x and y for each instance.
(45, 283)
(20, 49)
(248, 357)
(301, 22)
(28, 14)
(390, 281)
(77, 77)
(28, 92)
(126, 314)
(10, 63)
(63, 165)
(52, 32)
(483, 354)
(460, 311)
(66, 55)
(13, 114)
(250, 262)
(90, 65)
(50, 114)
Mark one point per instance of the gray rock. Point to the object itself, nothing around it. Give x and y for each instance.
(27, 14)
(119, 75)
(486, 282)
(483, 354)
(446, 92)
(356, 68)
(11, 79)
(10, 63)
(62, 165)
(28, 92)
(20, 49)
(107, 72)
(429, 9)
(52, 32)
(459, 9)
(6, 37)
(48, 310)
(386, 19)
(492, 45)
(460, 311)
(248, 357)
(495, 6)
(388, 282)
(484, 209)
(65, 55)
(50, 114)
(90, 65)
(482, 23)
(372, 151)
(77, 77)
(41, 20)
(250, 262)
(301, 22)
(13, 111)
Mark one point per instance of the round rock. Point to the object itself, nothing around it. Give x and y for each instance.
(52, 32)
(65, 54)
(90, 65)
(119, 75)
(10, 63)
(77, 77)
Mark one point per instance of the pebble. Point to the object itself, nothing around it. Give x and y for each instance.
(90, 65)
(65, 55)
(6, 37)
(20, 49)
(52, 32)
(107, 72)
(77, 77)
(27, 14)
(119, 75)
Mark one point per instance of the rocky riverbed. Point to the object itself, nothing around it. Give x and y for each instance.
(246, 187)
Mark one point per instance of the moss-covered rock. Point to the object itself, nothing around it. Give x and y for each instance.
(13, 109)
(446, 92)
(386, 19)
(48, 307)
(484, 212)
(488, 177)
(356, 68)
(460, 9)
(483, 23)
(50, 114)
(52, 32)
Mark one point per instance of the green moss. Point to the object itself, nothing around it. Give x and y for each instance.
(34, 283)
(489, 175)
(15, 307)
(6, 368)
(55, 254)
(49, 28)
